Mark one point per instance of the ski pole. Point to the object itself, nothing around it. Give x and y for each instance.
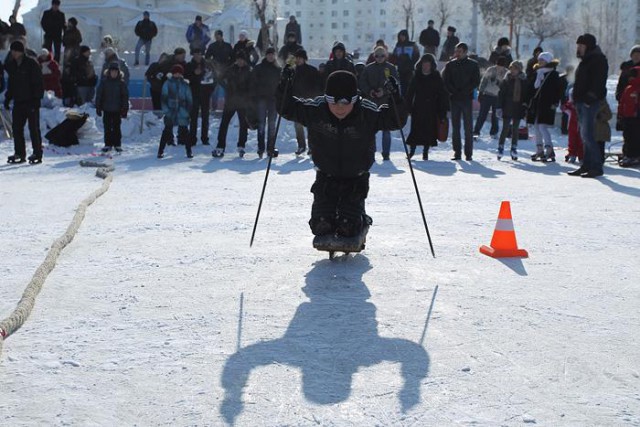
(266, 176)
(413, 175)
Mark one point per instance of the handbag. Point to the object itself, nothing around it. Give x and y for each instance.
(442, 131)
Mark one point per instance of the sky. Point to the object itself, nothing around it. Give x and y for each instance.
(26, 6)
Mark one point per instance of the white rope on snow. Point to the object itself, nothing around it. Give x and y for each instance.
(23, 309)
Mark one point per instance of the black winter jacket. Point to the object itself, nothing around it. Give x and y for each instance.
(146, 29)
(428, 102)
(264, 79)
(249, 50)
(53, 23)
(221, 53)
(545, 99)
(84, 72)
(306, 83)
(591, 78)
(341, 148)
(448, 48)
(510, 108)
(430, 37)
(25, 86)
(461, 78)
(112, 95)
(287, 50)
(72, 38)
(237, 83)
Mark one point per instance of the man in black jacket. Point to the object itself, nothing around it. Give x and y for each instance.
(220, 53)
(342, 136)
(25, 89)
(306, 84)
(339, 60)
(461, 78)
(430, 38)
(53, 23)
(146, 30)
(288, 50)
(294, 27)
(589, 89)
(264, 81)
(449, 46)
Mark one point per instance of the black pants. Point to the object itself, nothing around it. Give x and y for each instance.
(201, 106)
(631, 136)
(338, 202)
(49, 42)
(156, 99)
(167, 136)
(112, 133)
(461, 111)
(22, 114)
(510, 126)
(227, 115)
(487, 102)
(302, 141)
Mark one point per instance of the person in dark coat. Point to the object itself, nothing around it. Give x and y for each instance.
(25, 89)
(502, 49)
(16, 31)
(589, 89)
(112, 103)
(237, 83)
(156, 77)
(198, 35)
(339, 61)
(146, 30)
(110, 56)
(428, 102)
(53, 23)
(248, 47)
(294, 27)
(625, 70)
(261, 43)
(449, 46)
(405, 54)
(530, 72)
(512, 105)
(342, 129)
(71, 40)
(306, 85)
(220, 53)
(264, 81)
(371, 84)
(461, 78)
(199, 73)
(546, 93)
(430, 38)
(85, 76)
(287, 52)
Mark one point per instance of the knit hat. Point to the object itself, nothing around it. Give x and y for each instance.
(546, 57)
(177, 69)
(114, 66)
(179, 51)
(145, 13)
(243, 33)
(198, 18)
(270, 50)
(517, 64)
(634, 49)
(17, 46)
(301, 53)
(84, 49)
(452, 29)
(341, 85)
(218, 33)
(589, 40)
(502, 61)
(503, 41)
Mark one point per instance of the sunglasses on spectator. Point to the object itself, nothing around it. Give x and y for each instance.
(343, 101)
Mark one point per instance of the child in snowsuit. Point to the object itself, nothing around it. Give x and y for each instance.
(112, 103)
(629, 112)
(575, 150)
(176, 106)
(342, 128)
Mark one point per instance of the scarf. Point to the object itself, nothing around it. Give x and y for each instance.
(540, 76)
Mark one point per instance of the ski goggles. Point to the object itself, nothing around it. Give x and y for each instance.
(344, 101)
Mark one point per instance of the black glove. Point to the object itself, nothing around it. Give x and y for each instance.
(288, 73)
(392, 85)
(98, 112)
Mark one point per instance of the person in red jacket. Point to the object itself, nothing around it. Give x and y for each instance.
(629, 112)
(575, 150)
(51, 73)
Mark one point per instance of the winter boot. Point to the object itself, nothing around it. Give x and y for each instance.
(549, 154)
(15, 159)
(189, 152)
(500, 151)
(218, 152)
(539, 155)
(118, 149)
(322, 226)
(300, 151)
(425, 154)
(105, 149)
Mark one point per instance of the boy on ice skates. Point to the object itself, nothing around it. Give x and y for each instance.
(112, 103)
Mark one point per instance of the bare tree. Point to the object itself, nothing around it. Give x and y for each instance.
(409, 23)
(514, 13)
(261, 7)
(443, 12)
(16, 7)
(547, 27)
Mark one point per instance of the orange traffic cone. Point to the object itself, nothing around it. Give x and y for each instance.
(503, 243)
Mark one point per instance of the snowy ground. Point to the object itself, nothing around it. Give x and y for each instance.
(160, 314)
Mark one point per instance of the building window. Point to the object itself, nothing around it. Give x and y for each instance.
(334, 13)
(298, 14)
(383, 12)
(345, 13)
(334, 25)
(287, 2)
